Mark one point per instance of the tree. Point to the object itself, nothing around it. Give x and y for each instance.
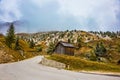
(79, 42)
(17, 46)
(100, 50)
(118, 47)
(31, 44)
(10, 36)
(69, 41)
(50, 48)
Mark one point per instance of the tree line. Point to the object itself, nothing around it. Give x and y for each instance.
(108, 33)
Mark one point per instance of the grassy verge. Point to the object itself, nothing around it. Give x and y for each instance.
(76, 63)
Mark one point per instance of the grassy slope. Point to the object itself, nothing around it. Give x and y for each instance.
(77, 63)
(87, 47)
(10, 55)
(110, 45)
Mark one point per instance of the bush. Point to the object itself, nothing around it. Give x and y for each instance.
(100, 50)
(39, 49)
(91, 56)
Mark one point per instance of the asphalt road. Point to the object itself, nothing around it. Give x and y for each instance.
(31, 70)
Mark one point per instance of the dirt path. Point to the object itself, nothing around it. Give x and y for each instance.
(31, 70)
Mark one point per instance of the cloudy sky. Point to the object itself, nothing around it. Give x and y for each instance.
(49, 15)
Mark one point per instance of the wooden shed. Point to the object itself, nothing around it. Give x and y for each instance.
(64, 48)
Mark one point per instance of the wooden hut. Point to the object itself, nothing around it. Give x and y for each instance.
(64, 48)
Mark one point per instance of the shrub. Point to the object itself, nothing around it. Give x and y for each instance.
(100, 50)
(39, 49)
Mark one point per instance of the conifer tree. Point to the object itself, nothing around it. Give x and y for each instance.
(10, 36)
(31, 44)
(100, 50)
(17, 46)
(50, 48)
(79, 42)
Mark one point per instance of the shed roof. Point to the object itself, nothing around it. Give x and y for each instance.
(66, 44)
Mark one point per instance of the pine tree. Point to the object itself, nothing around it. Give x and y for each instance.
(103, 49)
(79, 42)
(17, 46)
(31, 44)
(97, 50)
(50, 48)
(10, 36)
(100, 50)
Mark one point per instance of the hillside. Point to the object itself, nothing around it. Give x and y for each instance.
(87, 41)
(11, 55)
(94, 51)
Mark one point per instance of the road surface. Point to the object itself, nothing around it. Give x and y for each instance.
(31, 70)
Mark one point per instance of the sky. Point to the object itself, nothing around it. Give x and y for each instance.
(52, 15)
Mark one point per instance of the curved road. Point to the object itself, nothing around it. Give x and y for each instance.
(31, 70)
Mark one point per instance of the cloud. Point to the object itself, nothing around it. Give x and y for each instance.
(101, 12)
(90, 15)
(62, 14)
(9, 10)
(41, 2)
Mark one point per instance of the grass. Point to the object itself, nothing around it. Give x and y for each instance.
(110, 45)
(77, 63)
(16, 54)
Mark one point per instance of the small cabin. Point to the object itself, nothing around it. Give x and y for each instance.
(64, 48)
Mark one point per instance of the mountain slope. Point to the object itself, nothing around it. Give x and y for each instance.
(88, 41)
(11, 55)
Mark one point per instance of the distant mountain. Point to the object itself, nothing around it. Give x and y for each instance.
(2, 24)
(7, 24)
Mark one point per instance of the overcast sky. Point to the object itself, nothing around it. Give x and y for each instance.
(49, 15)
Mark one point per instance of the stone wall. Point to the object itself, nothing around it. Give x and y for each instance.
(52, 63)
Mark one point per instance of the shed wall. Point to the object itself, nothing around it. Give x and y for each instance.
(60, 49)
